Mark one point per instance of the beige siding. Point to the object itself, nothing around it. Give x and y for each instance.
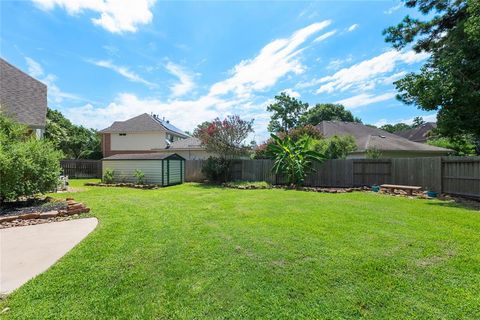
(124, 170)
(138, 141)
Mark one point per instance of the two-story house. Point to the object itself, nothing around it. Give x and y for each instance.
(148, 133)
(23, 98)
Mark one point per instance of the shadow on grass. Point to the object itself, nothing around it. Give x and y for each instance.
(202, 185)
(470, 205)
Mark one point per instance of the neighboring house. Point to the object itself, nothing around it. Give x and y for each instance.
(149, 134)
(389, 144)
(23, 98)
(190, 148)
(418, 134)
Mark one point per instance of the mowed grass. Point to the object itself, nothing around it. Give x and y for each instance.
(199, 252)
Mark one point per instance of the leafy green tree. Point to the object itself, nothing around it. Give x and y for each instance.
(27, 166)
(200, 128)
(463, 145)
(294, 159)
(299, 132)
(327, 112)
(373, 153)
(286, 113)
(450, 80)
(76, 142)
(336, 147)
(395, 127)
(417, 121)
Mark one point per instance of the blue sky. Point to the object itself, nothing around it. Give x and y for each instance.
(193, 61)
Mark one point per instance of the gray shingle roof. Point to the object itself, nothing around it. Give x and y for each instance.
(189, 143)
(143, 123)
(22, 97)
(418, 134)
(368, 137)
(142, 156)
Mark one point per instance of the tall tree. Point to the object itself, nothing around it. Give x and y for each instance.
(327, 112)
(450, 80)
(76, 142)
(198, 129)
(286, 113)
(395, 127)
(226, 138)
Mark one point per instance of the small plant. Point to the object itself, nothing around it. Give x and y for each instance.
(373, 153)
(140, 176)
(109, 176)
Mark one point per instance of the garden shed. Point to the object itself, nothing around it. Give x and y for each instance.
(159, 168)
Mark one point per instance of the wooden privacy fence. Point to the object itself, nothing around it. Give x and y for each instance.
(82, 168)
(454, 175)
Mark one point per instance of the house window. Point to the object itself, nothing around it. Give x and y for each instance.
(122, 134)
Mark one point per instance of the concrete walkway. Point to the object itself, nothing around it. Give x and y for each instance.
(25, 252)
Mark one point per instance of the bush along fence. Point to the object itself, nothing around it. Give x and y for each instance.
(452, 175)
(81, 168)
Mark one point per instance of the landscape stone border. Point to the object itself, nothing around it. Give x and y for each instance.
(73, 209)
(123, 185)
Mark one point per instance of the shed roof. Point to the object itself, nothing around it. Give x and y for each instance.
(369, 137)
(144, 156)
(143, 123)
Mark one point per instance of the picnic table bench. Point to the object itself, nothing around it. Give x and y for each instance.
(408, 189)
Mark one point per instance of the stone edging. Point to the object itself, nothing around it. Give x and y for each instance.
(73, 208)
(123, 184)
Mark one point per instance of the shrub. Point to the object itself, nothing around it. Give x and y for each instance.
(294, 159)
(216, 169)
(140, 176)
(109, 176)
(27, 166)
(373, 153)
(336, 147)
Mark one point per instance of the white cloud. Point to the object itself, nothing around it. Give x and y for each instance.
(366, 70)
(123, 71)
(427, 118)
(236, 94)
(114, 15)
(34, 68)
(352, 27)
(54, 93)
(275, 60)
(394, 77)
(186, 83)
(364, 98)
(325, 36)
(292, 93)
(394, 8)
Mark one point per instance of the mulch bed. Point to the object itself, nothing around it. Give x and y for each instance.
(123, 185)
(46, 210)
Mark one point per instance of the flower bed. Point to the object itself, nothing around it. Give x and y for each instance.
(65, 210)
(123, 185)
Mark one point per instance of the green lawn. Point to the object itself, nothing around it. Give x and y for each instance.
(194, 252)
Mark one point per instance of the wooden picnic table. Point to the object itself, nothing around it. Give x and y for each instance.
(408, 189)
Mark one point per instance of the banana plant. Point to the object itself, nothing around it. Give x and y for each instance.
(294, 159)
